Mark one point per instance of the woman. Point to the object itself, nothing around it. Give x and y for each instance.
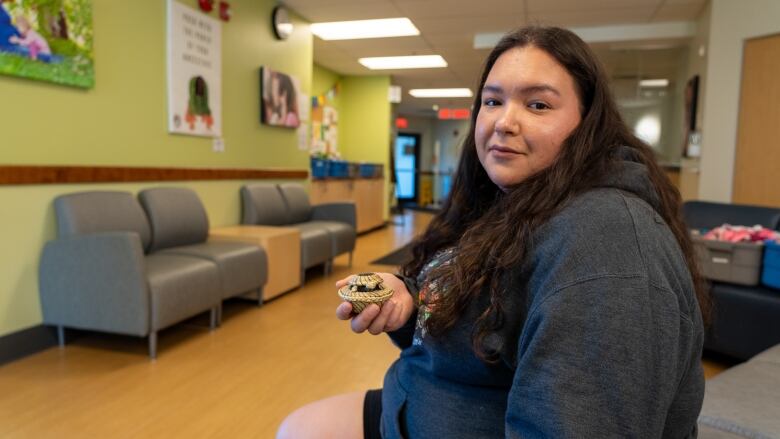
(556, 294)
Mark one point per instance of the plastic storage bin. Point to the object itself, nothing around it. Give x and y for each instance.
(338, 169)
(371, 170)
(770, 275)
(319, 168)
(353, 170)
(734, 262)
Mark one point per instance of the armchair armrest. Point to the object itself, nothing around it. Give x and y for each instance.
(342, 212)
(95, 281)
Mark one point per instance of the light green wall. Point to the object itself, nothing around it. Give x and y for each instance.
(122, 121)
(365, 123)
(364, 120)
(322, 80)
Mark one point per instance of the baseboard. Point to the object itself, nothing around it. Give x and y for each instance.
(26, 342)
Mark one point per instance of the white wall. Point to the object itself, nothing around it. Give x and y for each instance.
(731, 23)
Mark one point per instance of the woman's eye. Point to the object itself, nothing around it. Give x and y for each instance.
(490, 102)
(539, 106)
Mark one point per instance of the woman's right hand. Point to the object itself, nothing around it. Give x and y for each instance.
(391, 316)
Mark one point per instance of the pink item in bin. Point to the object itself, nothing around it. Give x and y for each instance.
(729, 233)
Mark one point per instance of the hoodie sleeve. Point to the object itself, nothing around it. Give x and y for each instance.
(603, 358)
(402, 337)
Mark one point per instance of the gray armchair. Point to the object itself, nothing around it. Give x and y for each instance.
(180, 226)
(96, 275)
(327, 230)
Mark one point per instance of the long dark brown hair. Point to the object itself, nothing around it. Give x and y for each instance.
(478, 217)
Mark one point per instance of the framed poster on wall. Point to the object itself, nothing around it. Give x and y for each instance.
(194, 72)
(48, 40)
(280, 96)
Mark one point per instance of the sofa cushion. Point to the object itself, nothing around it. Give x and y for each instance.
(316, 246)
(342, 235)
(744, 399)
(180, 287)
(745, 320)
(298, 207)
(242, 267)
(176, 215)
(263, 204)
(100, 211)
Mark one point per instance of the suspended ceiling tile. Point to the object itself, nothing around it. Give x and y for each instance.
(414, 45)
(537, 6)
(415, 9)
(593, 17)
(680, 12)
(468, 24)
(355, 10)
(446, 39)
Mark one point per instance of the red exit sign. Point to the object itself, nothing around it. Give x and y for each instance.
(454, 113)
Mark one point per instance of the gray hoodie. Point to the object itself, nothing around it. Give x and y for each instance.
(602, 337)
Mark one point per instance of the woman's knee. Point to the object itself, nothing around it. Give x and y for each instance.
(338, 416)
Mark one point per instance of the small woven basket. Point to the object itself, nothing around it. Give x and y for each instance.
(364, 289)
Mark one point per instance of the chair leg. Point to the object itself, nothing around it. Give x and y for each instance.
(153, 345)
(303, 276)
(260, 296)
(350, 259)
(61, 336)
(213, 316)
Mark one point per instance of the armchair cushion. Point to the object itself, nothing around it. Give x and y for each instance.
(297, 200)
(344, 212)
(176, 216)
(316, 244)
(181, 287)
(342, 235)
(242, 267)
(263, 204)
(100, 211)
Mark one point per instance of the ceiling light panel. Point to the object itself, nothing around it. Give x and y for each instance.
(360, 29)
(441, 93)
(655, 83)
(403, 62)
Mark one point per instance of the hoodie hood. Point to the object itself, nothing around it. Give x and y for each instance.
(630, 175)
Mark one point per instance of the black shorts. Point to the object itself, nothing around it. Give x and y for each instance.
(372, 414)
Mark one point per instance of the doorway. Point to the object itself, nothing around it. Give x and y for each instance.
(407, 157)
(757, 155)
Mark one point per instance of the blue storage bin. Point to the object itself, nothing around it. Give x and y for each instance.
(319, 168)
(338, 169)
(370, 170)
(770, 276)
(366, 170)
(354, 170)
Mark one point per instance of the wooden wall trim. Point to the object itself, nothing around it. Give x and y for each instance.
(14, 175)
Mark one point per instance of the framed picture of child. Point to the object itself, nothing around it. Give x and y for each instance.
(48, 40)
(279, 99)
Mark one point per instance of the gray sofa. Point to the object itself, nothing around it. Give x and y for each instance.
(744, 401)
(746, 319)
(103, 272)
(327, 230)
(180, 226)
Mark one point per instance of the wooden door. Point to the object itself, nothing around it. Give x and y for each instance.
(757, 162)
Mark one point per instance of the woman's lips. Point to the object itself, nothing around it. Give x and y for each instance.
(502, 151)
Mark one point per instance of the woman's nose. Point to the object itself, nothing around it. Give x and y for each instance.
(508, 122)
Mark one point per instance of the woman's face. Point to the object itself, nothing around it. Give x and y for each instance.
(529, 107)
